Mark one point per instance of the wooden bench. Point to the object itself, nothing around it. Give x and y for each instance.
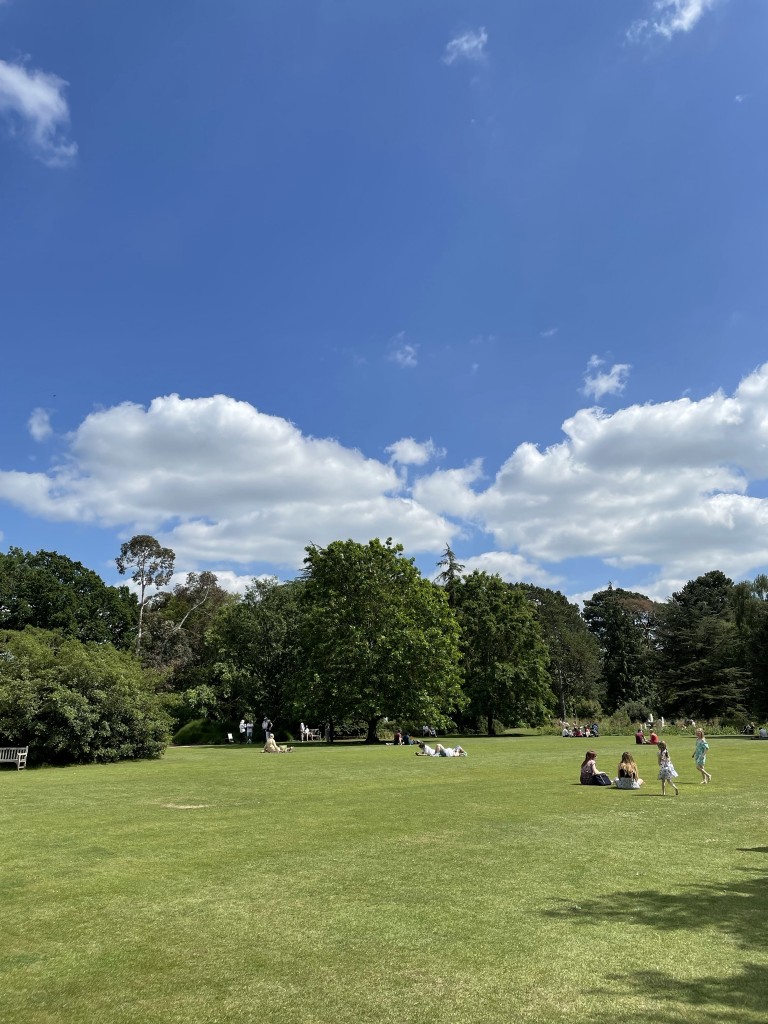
(313, 734)
(17, 755)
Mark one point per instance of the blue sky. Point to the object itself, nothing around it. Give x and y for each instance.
(490, 273)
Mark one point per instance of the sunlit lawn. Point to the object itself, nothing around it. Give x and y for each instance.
(366, 884)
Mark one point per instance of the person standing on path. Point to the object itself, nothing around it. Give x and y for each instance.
(266, 725)
(700, 756)
(241, 727)
(249, 731)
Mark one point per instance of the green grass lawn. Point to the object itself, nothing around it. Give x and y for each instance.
(355, 884)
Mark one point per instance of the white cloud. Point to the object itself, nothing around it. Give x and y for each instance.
(599, 382)
(512, 568)
(668, 17)
(408, 452)
(230, 581)
(663, 486)
(739, 98)
(549, 333)
(661, 491)
(33, 103)
(403, 353)
(221, 482)
(40, 425)
(469, 45)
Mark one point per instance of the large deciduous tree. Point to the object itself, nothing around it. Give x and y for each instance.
(152, 566)
(574, 654)
(253, 651)
(51, 591)
(379, 639)
(504, 656)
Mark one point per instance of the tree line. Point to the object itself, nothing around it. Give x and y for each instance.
(94, 672)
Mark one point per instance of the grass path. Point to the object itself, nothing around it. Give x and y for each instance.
(357, 884)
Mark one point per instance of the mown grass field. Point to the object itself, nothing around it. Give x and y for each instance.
(354, 884)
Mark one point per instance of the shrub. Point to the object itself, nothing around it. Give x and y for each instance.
(74, 702)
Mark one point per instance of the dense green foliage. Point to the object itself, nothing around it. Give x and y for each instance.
(503, 654)
(363, 637)
(377, 638)
(253, 647)
(702, 664)
(51, 591)
(624, 624)
(574, 654)
(75, 702)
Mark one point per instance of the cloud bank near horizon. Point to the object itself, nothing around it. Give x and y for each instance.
(660, 489)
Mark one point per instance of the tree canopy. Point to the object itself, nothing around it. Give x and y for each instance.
(51, 591)
(574, 654)
(624, 624)
(152, 566)
(379, 640)
(504, 656)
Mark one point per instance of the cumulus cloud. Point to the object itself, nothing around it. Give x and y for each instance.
(219, 481)
(599, 382)
(33, 104)
(668, 17)
(663, 491)
(512, 568)
(408, 452)
(40, 425)
(469, 45)
(659, 487)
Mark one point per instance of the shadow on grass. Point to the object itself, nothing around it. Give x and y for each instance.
(736, 908)
(738, 999)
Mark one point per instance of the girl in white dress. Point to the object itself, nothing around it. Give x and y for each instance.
(667, 771)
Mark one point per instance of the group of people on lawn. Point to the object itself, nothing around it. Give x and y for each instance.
(628, 775)
(580, 731)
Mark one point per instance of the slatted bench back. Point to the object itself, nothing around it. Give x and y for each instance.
(16, 754)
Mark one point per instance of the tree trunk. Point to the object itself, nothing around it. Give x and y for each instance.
(491, 729)
(372, 725)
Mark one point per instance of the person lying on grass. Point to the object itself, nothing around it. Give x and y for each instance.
(628, 775)
(425, 750)
(442, 751)
(270, 747)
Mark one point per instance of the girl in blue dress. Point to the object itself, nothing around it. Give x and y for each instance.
(700, 756)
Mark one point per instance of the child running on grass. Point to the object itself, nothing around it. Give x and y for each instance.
(666, 769)
(700, 756)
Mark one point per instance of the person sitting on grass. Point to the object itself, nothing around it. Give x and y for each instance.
(628, 775)
(442, 751)
(590, 774)
(270, 747)
(640, 736)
